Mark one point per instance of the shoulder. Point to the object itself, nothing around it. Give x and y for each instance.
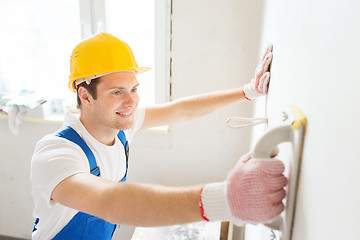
(53, 152)
(54, 160)
(55, 144)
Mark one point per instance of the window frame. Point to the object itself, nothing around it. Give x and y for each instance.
(93, 20)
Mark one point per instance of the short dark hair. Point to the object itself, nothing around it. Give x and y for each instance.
(91, 88)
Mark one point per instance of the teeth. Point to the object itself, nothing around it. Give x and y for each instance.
(125, 114)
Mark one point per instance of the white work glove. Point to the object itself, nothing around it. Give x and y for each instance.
(259, 85)
(252, 193)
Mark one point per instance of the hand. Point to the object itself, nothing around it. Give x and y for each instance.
(259, 85)
(252, 193)
(255, 190)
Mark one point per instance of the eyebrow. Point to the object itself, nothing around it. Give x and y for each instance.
(136, 85)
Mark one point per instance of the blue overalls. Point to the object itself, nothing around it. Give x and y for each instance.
(83, 225)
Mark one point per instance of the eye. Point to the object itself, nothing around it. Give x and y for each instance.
(116, 93)
(134, 90)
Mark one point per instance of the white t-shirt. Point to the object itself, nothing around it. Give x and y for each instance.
(56, 158)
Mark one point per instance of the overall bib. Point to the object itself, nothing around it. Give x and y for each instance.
(83, 225)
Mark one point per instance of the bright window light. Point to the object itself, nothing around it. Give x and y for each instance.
(37, 38)
(133, 22)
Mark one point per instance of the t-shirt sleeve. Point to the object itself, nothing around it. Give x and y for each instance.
(54, 160)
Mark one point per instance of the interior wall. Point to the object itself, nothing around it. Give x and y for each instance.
(214, 46)
(315, 66)
(16, 203)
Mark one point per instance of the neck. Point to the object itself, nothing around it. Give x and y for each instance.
(100, 132)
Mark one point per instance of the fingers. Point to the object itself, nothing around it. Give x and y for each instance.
(276, 210)
(266, 62)
(277, 204)
(272, 167)
(277, 183)
(262, 87)
(277, 197)
(262, 72)
(268, 50)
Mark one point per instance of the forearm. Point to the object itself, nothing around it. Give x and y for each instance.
(150, 205)
(190, 107)
(201, 105)
(129, 203)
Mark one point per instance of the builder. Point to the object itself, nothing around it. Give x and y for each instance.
(79, 173)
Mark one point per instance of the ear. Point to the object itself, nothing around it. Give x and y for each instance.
(84, 96)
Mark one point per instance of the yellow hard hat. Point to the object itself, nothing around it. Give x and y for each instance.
(99, 55)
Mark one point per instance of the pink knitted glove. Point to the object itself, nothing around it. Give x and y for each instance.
(252, 193)
(259, 85)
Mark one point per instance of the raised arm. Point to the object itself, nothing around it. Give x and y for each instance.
(197, 106)
(190, 107)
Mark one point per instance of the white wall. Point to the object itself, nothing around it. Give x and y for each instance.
(316, 65)
(16, 203)
(215, 46)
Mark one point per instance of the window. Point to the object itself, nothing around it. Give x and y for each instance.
(36, 41)
(39, 36)
(136, 27)
(145, 26)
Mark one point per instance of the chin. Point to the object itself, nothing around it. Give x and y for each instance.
(125, 126)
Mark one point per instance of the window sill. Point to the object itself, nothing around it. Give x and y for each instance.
(153, 138)
(53, 118)
(59, 119)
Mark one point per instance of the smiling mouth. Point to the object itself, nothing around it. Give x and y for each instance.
(124, 114)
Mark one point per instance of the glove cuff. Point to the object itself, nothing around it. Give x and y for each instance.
(214, 203)
(249, 92)
(245, 95)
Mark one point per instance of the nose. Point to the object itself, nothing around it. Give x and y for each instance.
(130, 100)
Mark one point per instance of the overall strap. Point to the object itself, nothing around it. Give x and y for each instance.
(122, 137)
(71, 135)
(107, 229)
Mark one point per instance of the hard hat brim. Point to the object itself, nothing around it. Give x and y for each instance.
(72, 84)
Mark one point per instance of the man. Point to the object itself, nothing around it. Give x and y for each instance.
(79, 173)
